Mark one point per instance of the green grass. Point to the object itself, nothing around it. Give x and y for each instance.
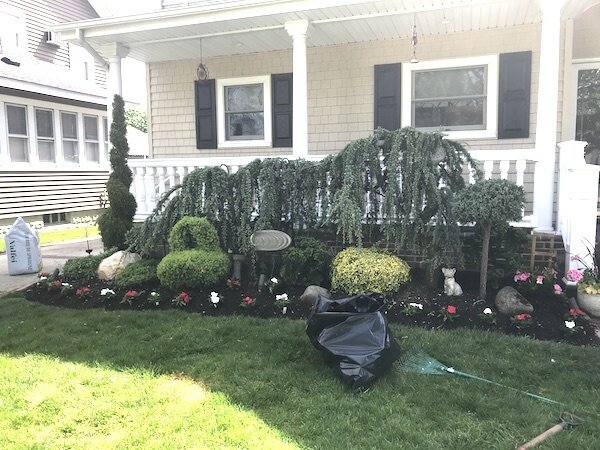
(170, 380)
(67, 234)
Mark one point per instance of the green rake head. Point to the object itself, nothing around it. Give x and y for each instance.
(419, 362)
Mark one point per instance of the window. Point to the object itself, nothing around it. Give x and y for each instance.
(69, 137)
(44, 124)
(244, 112)
(106, 143)
(92, 144)
(18, 140)
(457, 96)
(53, 218)
(450, 99)
(587, 124)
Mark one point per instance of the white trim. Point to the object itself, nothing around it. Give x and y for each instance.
(220, 98)
(491, 61)
(30, 86)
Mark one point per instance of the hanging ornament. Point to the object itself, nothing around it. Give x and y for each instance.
(413, 41)
(201, 70)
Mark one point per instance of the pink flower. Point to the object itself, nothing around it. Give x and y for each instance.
(523, 316)
(574, 275)
(539, 279)
(131, 294)
(451, 309)
(184, 297)
(557, 289)
(522, 276)
(574, 312)
(248, 300)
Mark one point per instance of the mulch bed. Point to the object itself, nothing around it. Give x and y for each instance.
(547, 323)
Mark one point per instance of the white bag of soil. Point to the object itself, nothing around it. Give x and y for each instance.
(23, 249)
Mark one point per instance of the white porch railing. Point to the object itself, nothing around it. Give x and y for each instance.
(153, 177)
(577, 203)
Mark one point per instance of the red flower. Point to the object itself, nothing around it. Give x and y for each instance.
(82, 291)
(131, 294)
(523, 316)
(185, 297)
(248, 300)
(574, 312)
(451, 309)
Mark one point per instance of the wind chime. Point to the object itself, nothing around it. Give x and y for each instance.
(413, 41)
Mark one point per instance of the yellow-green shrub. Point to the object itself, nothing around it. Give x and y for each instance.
(357, 270)
(192, 269)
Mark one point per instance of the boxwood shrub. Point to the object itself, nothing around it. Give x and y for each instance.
(191, 269)
(138, 274)
(306, 263)
(357, 270)
(193, 233)
(86, 266)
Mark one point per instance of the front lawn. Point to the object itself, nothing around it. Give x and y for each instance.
(165, 379)
(61, 235)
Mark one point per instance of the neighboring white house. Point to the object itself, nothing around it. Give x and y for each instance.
(53, 122)
(302, 78)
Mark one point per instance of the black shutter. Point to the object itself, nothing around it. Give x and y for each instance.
(281, 111)
(387, 96)
(514, 95)
(206, 114)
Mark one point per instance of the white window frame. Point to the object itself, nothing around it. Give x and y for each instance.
(491, 119)
(77, 139)
(220, 99)
(579, 64)
(91, 141)
(27, 136)
(43, 138)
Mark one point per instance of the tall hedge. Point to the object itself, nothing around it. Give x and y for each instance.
(117, 220)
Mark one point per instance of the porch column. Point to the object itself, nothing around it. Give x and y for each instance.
(115, 52)
(547, 113)
(297, 30)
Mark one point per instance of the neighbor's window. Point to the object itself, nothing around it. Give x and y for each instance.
(69, 137)
(92, 144)
(450, 99)
(244, 112)
(106, 143)
(18, 140)
(44, 125)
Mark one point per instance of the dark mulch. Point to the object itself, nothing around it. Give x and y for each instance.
(548, 319)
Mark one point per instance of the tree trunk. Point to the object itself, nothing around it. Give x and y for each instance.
(487, 231)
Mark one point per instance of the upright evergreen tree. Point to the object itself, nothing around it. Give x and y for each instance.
(118, 218)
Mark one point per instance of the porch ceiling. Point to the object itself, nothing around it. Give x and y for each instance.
(238, 27)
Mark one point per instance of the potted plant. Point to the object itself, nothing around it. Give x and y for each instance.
(588, 284)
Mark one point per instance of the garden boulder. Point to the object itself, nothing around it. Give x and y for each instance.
(510, 302)
(110, 267)
(311, 293)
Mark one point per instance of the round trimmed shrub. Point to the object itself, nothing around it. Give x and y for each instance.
(191, 269)
(193, 233)
(137, 274)
(306, 263)
(368, 270)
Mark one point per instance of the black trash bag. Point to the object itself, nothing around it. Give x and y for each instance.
(355, 337)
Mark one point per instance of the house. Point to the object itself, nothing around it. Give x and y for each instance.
(236, 80)
(53, 122)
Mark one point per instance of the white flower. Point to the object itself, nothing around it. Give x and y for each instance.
(284, 309)
(281, 297)
(67, 284)
(274, 280)
(569, 324)
(107, 291)
(214, 298)
(488, 311)
(43, 278)
(154, 294)
(416, 305)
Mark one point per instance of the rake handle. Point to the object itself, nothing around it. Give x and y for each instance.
(542, 437)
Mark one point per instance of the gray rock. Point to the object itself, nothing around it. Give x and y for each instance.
(110, 267)
(312, 292)
(510, 302)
